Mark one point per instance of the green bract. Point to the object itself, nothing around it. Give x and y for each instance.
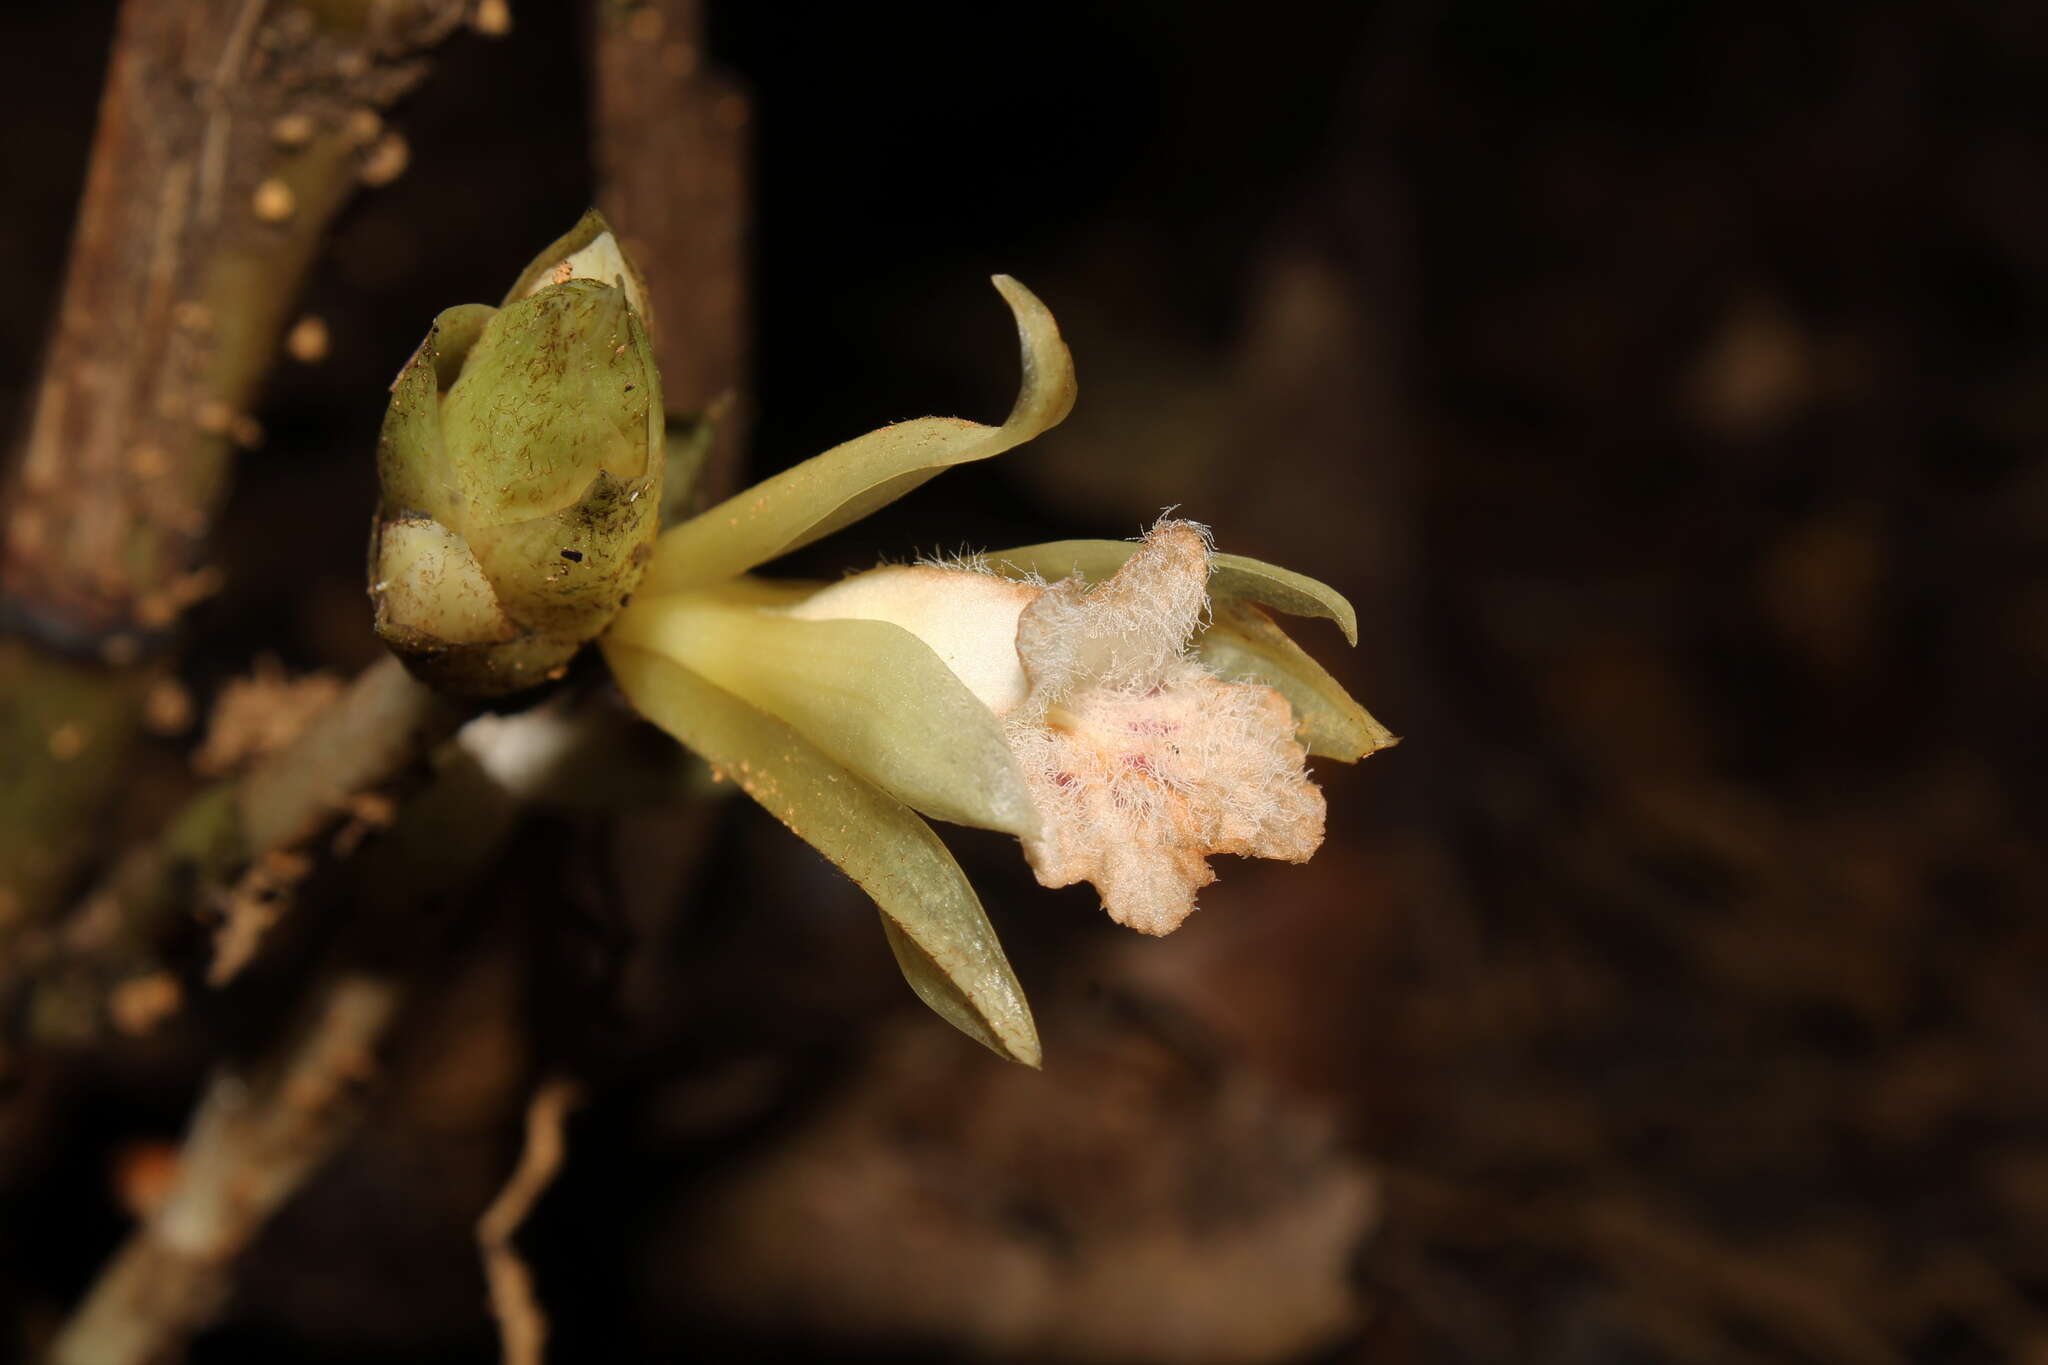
(521, 466)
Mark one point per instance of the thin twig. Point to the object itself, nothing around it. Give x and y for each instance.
(258, 1135)
(383, 724)
(254, 1140)
(522, 1324)
(380, 726)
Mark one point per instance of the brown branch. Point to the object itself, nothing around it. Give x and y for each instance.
(258, 1135)
(230, 134)
(670, 142)
(522, 1324)
(254, 1141)
(384, 722)
(66, 984)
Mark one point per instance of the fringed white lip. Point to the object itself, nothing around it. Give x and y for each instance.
(1142, 764)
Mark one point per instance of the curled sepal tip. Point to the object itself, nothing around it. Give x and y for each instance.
(850, 481)
(1242, 644)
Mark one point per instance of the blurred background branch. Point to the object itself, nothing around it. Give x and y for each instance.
(253, 1142)
(1663, 385)
(522, 1324)
(233, 846)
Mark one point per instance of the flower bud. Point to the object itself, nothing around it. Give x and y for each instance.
(521, 463)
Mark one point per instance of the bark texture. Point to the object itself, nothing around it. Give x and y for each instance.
(230, 134)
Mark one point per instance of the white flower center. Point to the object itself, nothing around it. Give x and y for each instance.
(969, 620)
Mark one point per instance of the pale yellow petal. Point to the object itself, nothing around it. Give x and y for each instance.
(870, 694)
(1243, 644)
(875, 840)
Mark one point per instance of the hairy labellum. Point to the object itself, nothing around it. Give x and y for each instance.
(1140, 763)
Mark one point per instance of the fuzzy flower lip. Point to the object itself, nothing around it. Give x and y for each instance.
(1139, 761)
(1125, 710)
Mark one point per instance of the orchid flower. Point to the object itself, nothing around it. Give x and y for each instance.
(1125, 710)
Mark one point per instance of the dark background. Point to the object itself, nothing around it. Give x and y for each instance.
(1663, 383)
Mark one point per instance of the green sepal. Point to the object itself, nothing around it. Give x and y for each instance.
(869, 694)
(941, 995)
(876, 840)
(568, 571)
(412, 460)
(456, 332)
(1242, 644)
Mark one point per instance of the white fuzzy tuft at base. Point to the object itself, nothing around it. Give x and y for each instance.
(1141, 762)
